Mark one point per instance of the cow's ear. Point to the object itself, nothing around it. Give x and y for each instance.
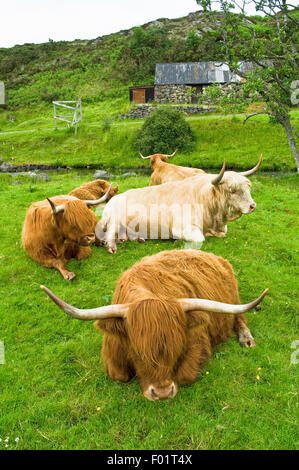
(114, 326)
(196, 318)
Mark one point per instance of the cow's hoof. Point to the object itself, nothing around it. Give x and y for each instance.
(99, 242)
(69, 276)
(140, 240)
(220, 234)
(249, 344)
(246, 340)
(112, 250)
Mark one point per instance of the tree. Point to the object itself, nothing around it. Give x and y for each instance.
(145, 49)
(269, 44)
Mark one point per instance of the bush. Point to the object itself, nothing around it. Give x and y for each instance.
(164, 131)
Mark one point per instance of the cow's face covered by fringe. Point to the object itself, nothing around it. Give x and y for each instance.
(166, 326)
(76, 223)
(79, 229)
(157, 342)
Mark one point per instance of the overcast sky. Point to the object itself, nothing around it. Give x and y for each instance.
(36, 21)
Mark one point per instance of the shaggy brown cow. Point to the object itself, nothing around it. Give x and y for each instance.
(58, 229)
(94, 190)
(164, 172)
(161, 326)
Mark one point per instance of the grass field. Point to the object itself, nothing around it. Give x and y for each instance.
(54, 393)
(217, 137)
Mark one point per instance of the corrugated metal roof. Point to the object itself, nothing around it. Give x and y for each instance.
(193, 73)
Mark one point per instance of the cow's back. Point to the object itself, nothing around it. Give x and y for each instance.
(167, 172)
(92, 190)
(184, 274)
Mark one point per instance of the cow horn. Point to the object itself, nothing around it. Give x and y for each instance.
(98, 201)
(55, 209)
(219, 307)
(100, 313)
(254, 169)
(144, 158)
(172, 155)
(219, 177)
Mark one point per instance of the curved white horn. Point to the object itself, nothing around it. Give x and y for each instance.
(172, 155)
(100, 313)
(254, 169)
(219, 177)
(55, 209)
(98, 201)
(144, 158)
(219, 307)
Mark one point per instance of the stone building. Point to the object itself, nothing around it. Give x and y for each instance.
(183, 82)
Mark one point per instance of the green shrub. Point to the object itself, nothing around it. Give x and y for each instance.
(163, 131)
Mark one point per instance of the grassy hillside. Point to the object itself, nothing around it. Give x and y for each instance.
(103, 68)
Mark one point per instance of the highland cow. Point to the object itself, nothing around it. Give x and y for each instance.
(188, 210)
(164, 172)
(58, 229)
(168, 313)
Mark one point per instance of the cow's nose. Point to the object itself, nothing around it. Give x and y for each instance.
(160, 393)
(91, 238)
(252, 206)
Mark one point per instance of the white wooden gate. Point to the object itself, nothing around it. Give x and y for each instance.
(70, 119)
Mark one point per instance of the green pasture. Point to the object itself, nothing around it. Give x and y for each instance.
(103, 142)
(54, 392)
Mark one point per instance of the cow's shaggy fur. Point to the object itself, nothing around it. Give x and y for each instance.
(158, 341)
(94, 190)
(164, 172)
(52, 240)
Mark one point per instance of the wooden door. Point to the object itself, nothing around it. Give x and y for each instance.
(139, 96)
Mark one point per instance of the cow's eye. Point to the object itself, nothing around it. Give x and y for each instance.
(233, 191)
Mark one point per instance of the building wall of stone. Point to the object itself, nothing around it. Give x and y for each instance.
(143, 110)
(173, 94)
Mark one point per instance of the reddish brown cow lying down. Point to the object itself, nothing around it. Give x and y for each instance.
(161, 326)
(94, 190)
(58, 229)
